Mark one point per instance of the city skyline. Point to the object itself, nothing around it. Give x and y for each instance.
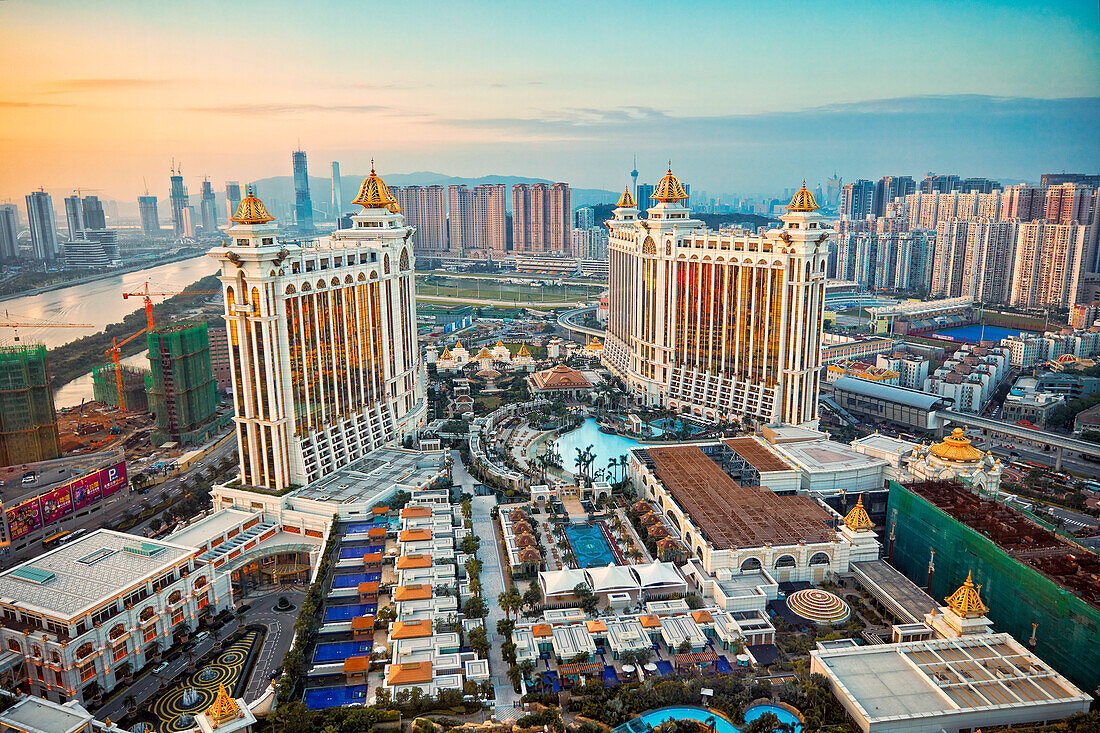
(502, 110)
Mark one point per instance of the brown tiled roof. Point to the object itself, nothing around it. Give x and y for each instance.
(702, 616)
(358, 664)
(560, 377)
(581, 668)
(529, 554)
(413, 673)
(368, 587)
(372, 557)
(380, 510)
(541, 630)
(411, 629)
(595, 626)
(376, 532)
(414, 535)
(414, 561)
(412, 592)
(649, 622)
(362, 622)
(416, 512)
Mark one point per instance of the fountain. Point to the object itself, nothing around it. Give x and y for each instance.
(208, 674)
(190, 696)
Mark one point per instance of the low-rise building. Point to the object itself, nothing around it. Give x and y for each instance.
(912, 369)
(861, 370)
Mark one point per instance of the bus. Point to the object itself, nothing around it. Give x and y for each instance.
(56, 540)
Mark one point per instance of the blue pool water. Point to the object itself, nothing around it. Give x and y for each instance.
(683, 712)
(390, 523)
(332, 697)
(664, 667)
(605, 446)
(339, 650)
(350, 553)
(589, 545)
(353, 580)
(667, 423)
(347, 613)
(974, 334)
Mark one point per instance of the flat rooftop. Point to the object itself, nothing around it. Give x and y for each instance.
(762, 458)
(217, 524)
(36, 715)
(826, 455)
(944, 676)
(886, 444)
(904, 597)
(375, 476)
(68, 581)
(1071, 567)
(731, 515)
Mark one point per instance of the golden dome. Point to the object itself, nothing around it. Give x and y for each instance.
(965, 601)
(223, 709)
(626, 201)
(803, 200)
(523, 351)
(858, 519)
(669, 190)
(374, 194)
(956, 448)
(484, 354)
(251, 210)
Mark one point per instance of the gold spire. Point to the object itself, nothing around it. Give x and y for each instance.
(374, 194)
(223, 709)
(965, 601)
(669, 190)
(957, 447)
(458, 345)
(803, 200)
(626, 201)
(858, 519)
(446, 353)
(523, 351)
(500, 344)
(251, 210)
(484, 353)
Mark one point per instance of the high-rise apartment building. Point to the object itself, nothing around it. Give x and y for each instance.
(303, 204)
(40, 218)
(979, 185)
(147, 211)
(717, 325)
(74, 217)
(177, 196)
(889, 188)
(898, 261)
(425, 210)
(589, 244)
(9, 232)
(1050, 259)
(949, 258)
(208, 208)
(476, 224)
(542, 217)
(1083, 179)
(324, 355)
(1069, 203)
(933, 183)
(92, 208)
(990, 256)
(232, 198)
(1023, 202)
(832, 189)
(857, 199)
(337, 194)
(584, 218)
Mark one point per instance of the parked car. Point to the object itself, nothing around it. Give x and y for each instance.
(160, 667)
(201, 637)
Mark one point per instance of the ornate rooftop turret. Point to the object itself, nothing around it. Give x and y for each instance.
(500, 344)
(803, 201)
(965, 601)
(957, 447)
(484, 354)
(374, 194)
(669, 190)
(251, 210)
(446, 354)
(626, 201)
(223, 709)
(523, 352)
(858, 519)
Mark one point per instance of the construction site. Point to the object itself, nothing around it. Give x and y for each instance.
(182, 394)
(1040, 588)
(28, 425)
(134, 380)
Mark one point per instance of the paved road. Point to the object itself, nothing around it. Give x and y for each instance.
(280, 635)
(147, 686)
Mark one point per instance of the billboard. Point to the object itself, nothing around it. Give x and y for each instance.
(62, 501)
(56, 504)
(24, 517)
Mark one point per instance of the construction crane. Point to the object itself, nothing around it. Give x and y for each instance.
(16, 321)
(113, 353)
(148, 294)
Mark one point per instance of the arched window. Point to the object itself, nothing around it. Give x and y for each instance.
(200, 582)
(175, 597)
(786, 561)
(13, 645)
(84, 650)
(819, 558)
(290, 290)
(751, 563)
(116, 631)
(146, 614)
(403, 263)
(386, 264)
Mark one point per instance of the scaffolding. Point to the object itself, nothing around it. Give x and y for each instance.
(183, 393)
(135, 382)
(1028, 575)
(28, 423)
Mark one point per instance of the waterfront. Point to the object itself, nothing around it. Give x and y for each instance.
(99, 303)
(80, 389)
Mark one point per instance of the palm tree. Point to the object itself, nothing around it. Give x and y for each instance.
(190, 654)
(131, 705)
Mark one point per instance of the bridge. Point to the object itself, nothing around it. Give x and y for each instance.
(1060, 442)
(567, 320)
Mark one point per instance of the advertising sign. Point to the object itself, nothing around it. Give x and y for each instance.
(56, 504)
(86, 490)
(112, 479)
(24, 517)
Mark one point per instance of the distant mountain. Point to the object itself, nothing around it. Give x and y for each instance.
(281, 188)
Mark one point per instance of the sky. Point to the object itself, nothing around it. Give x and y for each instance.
(741, 96)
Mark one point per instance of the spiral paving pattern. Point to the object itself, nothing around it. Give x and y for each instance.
(819, 606)
(226, 669)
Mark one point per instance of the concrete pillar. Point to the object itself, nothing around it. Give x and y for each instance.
(1058, 459)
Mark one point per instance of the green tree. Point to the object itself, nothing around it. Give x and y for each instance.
(478, 642)
(475, 607)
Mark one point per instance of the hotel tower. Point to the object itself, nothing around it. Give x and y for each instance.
(717, 326)
(322, 340)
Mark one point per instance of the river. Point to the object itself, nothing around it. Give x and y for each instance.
(99, 303)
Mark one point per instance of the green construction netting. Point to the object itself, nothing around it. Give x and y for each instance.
(28, 425)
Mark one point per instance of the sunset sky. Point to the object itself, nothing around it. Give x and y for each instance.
(742, 97)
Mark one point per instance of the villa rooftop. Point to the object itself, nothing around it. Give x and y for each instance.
(731, 515)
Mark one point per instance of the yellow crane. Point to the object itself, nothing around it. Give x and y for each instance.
(17, 321)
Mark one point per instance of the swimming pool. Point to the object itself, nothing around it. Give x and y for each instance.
(721, 725)
(667, 423)
(335, 651)
(332, 697)
(589, 545)
(603, 445)
(353, 580)
(347, 613)
(350, 553)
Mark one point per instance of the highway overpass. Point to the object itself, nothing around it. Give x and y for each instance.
(568, 321)
(1059, 442)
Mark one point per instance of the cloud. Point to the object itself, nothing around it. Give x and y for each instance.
(9, 104)
(102, 84)
(275, 108)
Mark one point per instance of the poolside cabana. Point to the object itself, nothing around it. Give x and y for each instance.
(372, 562)
(362, 627)
(368, 592)
(357, 670)
(578, 671)
(613, 579)
(693, 662)
(659, 580)
(521, 527)
(657, 531)
(670, 549)
(557, 585)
